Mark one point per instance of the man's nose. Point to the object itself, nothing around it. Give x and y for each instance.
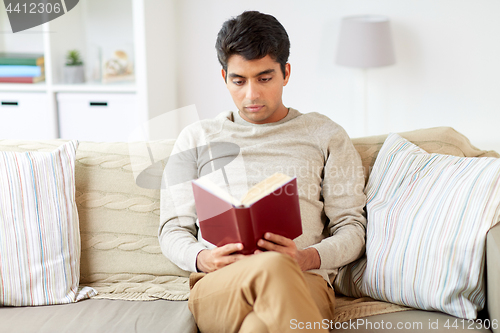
(252, 92)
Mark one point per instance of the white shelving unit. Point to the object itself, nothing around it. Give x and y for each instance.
(145, 29)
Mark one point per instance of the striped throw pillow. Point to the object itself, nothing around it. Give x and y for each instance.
(428, 216)
(39, 232)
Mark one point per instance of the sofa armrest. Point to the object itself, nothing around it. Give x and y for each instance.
(493, 272)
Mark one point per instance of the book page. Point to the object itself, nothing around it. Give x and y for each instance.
(265, 187)
(213, 188)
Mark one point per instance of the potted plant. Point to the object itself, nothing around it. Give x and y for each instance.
(74, 71)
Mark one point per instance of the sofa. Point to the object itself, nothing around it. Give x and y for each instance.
(137, 289)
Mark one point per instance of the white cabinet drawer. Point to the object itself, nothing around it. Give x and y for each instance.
(26, 116)
(97, 117)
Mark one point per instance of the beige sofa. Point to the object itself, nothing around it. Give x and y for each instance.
(139, 290)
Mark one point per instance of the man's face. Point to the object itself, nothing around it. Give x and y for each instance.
(256, 87)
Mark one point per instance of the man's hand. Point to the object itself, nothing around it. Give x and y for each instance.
(307, 258)
(212, 260)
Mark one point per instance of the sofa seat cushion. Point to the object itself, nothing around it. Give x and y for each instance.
(100, 315)
(412, 322)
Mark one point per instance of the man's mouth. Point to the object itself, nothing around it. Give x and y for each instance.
(254, 108)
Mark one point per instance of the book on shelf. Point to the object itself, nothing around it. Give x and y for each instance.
(21, 59)
(21, 71)
(270, 206)
(21, 79)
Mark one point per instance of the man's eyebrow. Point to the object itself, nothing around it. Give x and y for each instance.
(267, 71)
(232, 75)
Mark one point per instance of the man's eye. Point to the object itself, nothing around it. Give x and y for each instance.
(265, 79)
(238, 83)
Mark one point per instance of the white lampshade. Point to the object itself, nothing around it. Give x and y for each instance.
(365, 42)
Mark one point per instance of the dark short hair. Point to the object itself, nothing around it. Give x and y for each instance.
(253, 35)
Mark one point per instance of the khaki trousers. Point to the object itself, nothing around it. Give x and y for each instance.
(263, 293)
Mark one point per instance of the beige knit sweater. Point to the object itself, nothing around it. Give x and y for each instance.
(309, 146)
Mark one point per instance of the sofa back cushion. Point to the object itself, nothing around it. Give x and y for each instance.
(439, 140)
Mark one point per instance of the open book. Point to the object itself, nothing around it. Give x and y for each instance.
(270, 206)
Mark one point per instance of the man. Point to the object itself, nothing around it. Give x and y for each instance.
(287, 286)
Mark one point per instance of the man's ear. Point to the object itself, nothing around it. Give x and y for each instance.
(288, 71)
(223, 72)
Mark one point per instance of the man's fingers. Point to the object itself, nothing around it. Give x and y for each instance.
(229, 248)
(270, 246)
(214, 259)
(281, 240)
(273, 242)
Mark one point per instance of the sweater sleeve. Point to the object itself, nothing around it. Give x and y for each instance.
(178, 230)
(344, 201)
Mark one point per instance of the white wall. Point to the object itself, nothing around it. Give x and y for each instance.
(447, 71)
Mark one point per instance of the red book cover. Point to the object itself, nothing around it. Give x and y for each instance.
(27, 79)
(224, 219)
